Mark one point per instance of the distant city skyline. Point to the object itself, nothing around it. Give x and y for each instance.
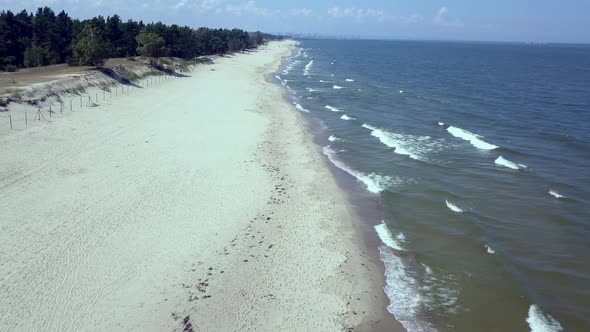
(502, 20)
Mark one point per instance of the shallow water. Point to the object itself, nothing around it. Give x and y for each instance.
(480, 156)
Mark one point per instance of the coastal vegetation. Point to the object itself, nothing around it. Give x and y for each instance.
(45, 38)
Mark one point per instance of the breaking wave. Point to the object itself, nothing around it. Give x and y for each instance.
(410, 287)
(307, 68)
(453, 207)
(472, 138)
(347, 118)
(507, 163)
(300, 108)
(387, 238)
(336, 87)
(556, 194)
(331, 108)
(540, 322)
(415, 147)
(374, 183)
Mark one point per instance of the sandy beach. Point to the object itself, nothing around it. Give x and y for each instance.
(200, 203)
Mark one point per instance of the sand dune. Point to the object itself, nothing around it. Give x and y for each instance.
(197, 202)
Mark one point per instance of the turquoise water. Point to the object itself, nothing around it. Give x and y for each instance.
(480, 157)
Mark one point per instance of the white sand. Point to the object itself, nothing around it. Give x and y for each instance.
(200, 196)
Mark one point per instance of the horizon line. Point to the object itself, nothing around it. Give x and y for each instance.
(383, 38)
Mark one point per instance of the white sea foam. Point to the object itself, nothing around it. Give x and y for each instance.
(412, 288)
(278, 78)
(507, 163)
(333, 138)
(540, 322)
(401, 91)
(337, 87)
(556, 194)
(312, 90)
(404, 291)
(453, 207)
(300, 108)
(415, 147)
(349, 80)
(287, 69)
(489, 250)
(472, 138)
(428, 270)
(307, 68)
(402, 286)
(333, 109)
(347, 118)
(375, 183)
(332, 75)
(386, 236)
(322, 81)
(441, 123)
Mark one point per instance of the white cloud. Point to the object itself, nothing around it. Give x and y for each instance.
(301, 12)
(246, 8)
(358, 14)
(415, 18)
(364, 14)
(238, 9)
(180, 4)
(442, 18)
(205, 6)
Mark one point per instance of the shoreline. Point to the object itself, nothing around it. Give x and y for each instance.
(346, 189)
(155, 210)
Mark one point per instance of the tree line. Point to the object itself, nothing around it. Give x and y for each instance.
(44, 38)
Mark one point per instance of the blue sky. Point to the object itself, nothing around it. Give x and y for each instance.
(500, 20)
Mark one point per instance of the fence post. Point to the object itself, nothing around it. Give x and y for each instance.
(50, 111)
(10, 119)
(26, 119)
(70, 105)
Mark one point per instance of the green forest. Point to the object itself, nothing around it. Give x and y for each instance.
(45, 38)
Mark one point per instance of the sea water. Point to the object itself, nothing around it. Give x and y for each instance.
(479, 154)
